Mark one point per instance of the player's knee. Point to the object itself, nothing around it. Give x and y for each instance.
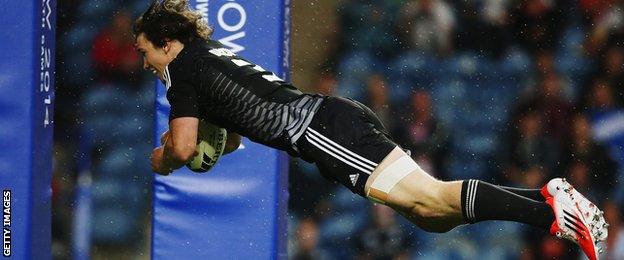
(427, 210)
(424, 200)
(424, 211)
(430, 210)
(402, 183)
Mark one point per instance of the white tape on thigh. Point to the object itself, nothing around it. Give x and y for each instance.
(395, 172)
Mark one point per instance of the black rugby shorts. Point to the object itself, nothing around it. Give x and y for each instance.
(346, 141)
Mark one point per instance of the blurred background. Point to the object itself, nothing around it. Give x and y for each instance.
(509, 91)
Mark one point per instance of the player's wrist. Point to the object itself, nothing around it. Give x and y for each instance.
(164, 168)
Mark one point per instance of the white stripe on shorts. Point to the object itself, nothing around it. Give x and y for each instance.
(339, 152)
(339, 147)
(471, 194)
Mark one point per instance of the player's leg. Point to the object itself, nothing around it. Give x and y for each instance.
(439, 206)
(369, 163)
(534, 194)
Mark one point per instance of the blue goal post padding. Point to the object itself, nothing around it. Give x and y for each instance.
(26, 109)
(237, 210)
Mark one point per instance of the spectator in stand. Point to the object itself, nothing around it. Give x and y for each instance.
(613, 71)
(427, 25)
(541, 120)
(589, 165)
(326, 84)
(548, 100)
(537, 24)
(554, 107)
(532, 156)
(544, 63)
(578, 174)
(576, 169)
(367, 25)
(600, 97)
(615, 241)
(114, 55)
(421, 133)
(488, 19)
(606, 22)
(378, 100)
(384, 239)
(307, 242)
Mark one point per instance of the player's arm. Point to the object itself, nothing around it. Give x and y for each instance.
(232, 143)
(179, 145)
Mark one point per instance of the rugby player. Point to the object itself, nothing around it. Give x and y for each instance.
(344, 138)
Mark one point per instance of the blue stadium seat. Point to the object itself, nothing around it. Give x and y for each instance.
(356, 65)
(351, 88)
(100, 9)
(449, 96)
(515, 64)
(79, 37)
(127, 161)
(138, 7)
(104, 98)
(353, 72)
(112, 114)
(418, 68)
(399, 90)
(348, 216)
(470, 66)
(570, 59)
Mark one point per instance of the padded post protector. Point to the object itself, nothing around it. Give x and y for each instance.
(26, 113)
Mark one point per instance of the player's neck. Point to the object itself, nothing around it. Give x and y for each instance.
(176, 48)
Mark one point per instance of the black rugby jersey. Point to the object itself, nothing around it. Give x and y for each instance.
(208, 81)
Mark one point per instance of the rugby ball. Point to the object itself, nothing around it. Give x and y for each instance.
(210, 145)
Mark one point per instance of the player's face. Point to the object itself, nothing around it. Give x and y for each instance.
(154, 58)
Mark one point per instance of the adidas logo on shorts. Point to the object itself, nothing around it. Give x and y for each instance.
(354, 178)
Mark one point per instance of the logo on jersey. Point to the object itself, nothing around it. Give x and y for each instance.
(222, 52)
(354, 178)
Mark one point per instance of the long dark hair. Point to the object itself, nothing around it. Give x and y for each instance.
(171, 20)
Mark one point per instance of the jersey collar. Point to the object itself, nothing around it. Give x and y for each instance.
(167, 77)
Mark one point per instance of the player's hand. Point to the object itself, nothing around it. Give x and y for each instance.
(157, 161)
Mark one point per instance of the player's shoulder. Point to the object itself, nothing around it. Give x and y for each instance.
(185, 64)
(202, 53)
(207, 49)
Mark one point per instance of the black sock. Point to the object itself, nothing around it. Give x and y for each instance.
(534, 194)
(483, 201)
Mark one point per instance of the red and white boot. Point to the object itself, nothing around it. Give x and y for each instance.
(576, 218)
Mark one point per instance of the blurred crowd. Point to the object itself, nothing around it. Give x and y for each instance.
(103, 132)
(511, 92)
